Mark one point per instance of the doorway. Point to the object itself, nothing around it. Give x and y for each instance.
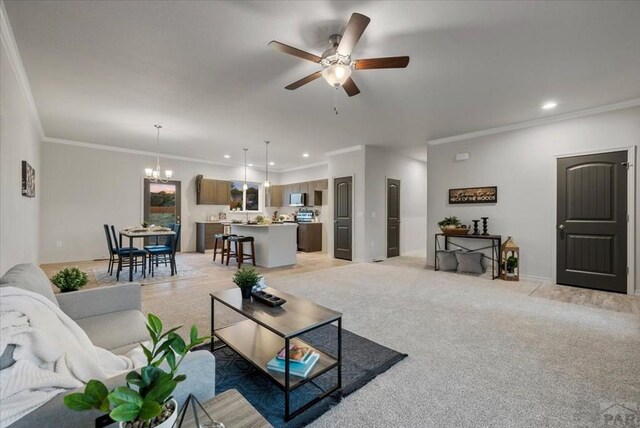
(342, 220)
(393, 217)
(162, 205)
(592, 221)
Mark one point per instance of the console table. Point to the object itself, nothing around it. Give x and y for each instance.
(496, 252)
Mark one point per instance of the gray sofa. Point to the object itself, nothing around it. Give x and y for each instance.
(112, 318)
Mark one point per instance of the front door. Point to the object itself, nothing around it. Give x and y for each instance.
(592, 221)
(393, 217)
(162, 205)
(342, 219)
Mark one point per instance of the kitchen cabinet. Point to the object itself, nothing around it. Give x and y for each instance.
(321, 184)
(212, 192)
(275, 196)
(310, 237)
(204, 234)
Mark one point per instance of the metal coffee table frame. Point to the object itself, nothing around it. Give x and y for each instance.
(242, 337)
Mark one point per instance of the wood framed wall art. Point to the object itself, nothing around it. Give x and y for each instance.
(28, 180)
(474, 195)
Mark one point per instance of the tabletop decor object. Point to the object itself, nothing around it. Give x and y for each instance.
(452, 226)
(510, 269)
(475, 227)
(485, 227)
(70, 279)
(150, 403)
(246, 278)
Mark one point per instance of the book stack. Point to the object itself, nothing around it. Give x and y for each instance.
(302, 360)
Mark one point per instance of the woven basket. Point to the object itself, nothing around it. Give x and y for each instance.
(457, 231)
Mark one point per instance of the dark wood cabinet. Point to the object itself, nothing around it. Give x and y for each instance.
(212, 192)
(310, 237)
(204, 235)
(276, 192)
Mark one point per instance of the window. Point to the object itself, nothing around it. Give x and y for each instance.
(245, 200)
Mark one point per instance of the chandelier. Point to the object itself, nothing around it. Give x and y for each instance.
(153, 175)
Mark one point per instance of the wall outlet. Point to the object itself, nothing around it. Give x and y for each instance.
(58, 244)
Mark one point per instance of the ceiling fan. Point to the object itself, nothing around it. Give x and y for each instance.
(336, 61)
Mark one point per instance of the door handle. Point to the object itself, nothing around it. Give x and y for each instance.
(561, 227)
(335, 221)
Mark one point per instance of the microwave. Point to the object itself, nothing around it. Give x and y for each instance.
(297, 199)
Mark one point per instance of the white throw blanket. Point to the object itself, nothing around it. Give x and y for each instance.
(52, 354)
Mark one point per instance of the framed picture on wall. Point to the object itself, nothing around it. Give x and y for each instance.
(28, 180)
(474, 195)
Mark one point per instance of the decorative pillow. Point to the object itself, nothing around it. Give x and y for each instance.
(469, 262)
(447, 260)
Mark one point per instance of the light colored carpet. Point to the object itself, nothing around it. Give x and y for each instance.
(481, 353)
(161, 274)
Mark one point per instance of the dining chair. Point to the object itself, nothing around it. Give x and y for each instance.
(155, 251)
(123, 254)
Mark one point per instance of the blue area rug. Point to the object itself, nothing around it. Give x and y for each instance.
(362, 360)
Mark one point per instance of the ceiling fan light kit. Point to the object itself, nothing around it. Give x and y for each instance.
(336, 62)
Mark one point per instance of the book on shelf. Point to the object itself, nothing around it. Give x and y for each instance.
(296, 368)
(297, 353)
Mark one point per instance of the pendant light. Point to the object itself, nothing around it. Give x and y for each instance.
(153, 175)
(245, 186)
(266, 177)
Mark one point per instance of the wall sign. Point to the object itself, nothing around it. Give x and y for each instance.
(474, 195)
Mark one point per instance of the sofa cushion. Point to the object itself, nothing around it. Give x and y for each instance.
(118, 332)
(29, 277)
(470, 262)
(447, 260)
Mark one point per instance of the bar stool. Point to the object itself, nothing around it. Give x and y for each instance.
(220, 237)
(239, 254)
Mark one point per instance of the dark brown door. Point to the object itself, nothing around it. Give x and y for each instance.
(592, 221)
(161, 205)
(342, 219)
(393, 217)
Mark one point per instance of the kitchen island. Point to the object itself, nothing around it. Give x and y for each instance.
(276, 244)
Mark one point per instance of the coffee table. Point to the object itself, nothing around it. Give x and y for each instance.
(233, 410)
(269, 329)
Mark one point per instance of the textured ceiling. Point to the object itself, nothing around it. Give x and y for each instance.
(105, 72)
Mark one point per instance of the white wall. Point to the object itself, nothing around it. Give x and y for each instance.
(84, 188)
(19, 140)
(522, 164)
(343, 165)
(381, 164)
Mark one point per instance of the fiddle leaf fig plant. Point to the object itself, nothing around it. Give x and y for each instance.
(147, 393)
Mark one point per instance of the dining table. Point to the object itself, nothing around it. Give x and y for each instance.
(132, 234)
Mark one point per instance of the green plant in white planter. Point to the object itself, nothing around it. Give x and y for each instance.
(70, 279)
(145, 400)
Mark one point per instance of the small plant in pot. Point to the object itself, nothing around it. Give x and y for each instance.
(452, 225)
(511, 264)
(145, 400)
(246, 278)
(70, 279)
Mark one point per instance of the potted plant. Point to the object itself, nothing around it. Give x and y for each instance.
(511, 265)
(145, 400)
(70, 279)
(246, 278)
(452, 226)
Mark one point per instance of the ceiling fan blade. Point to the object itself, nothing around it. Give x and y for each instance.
(294, 51)
(350, 87)
(304, 81)
(374, 63)
(352, 34)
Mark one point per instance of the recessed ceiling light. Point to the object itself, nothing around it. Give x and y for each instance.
(305, 155)
(272, 163)
(250, 164)
(227, 156)
(549, 105)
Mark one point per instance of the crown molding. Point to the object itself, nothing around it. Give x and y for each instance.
(15, 60)
(537, 122)
(345, 150)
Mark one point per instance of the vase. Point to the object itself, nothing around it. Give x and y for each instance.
(246, 292)
(168, 423)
